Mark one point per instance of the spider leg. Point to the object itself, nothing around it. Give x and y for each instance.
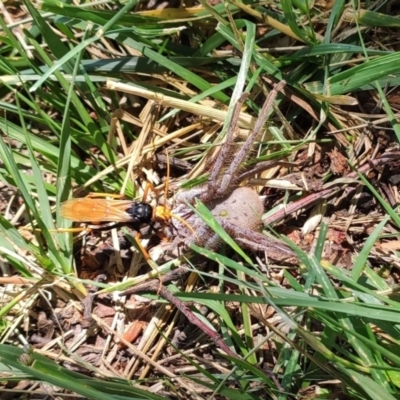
(189, 196)
(263, 166)
(208, 192)
(223, 153)
(257, 241)
(206, 238)
(229, 174)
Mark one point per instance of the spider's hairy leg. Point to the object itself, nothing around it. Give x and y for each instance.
(189, 196)
(228, 176)
(207, 192)
(257, 241)
(225, 149)
(263, 166)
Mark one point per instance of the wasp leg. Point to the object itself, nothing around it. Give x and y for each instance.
(140, 246)
(146, 256)
(149, 186)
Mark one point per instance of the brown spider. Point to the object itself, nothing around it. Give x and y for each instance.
(238, 209)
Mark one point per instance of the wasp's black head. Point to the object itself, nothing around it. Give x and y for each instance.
(141, 213)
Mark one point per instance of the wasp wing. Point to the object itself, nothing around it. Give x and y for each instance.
(96, 210)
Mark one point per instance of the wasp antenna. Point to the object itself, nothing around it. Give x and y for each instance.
(167, 178)
(185, 223)
(163, 214)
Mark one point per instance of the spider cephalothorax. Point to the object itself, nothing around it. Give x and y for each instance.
(237, 209)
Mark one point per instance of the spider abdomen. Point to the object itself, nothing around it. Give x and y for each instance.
(242, 208)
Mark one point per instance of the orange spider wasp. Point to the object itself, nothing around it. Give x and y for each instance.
(95, 210)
